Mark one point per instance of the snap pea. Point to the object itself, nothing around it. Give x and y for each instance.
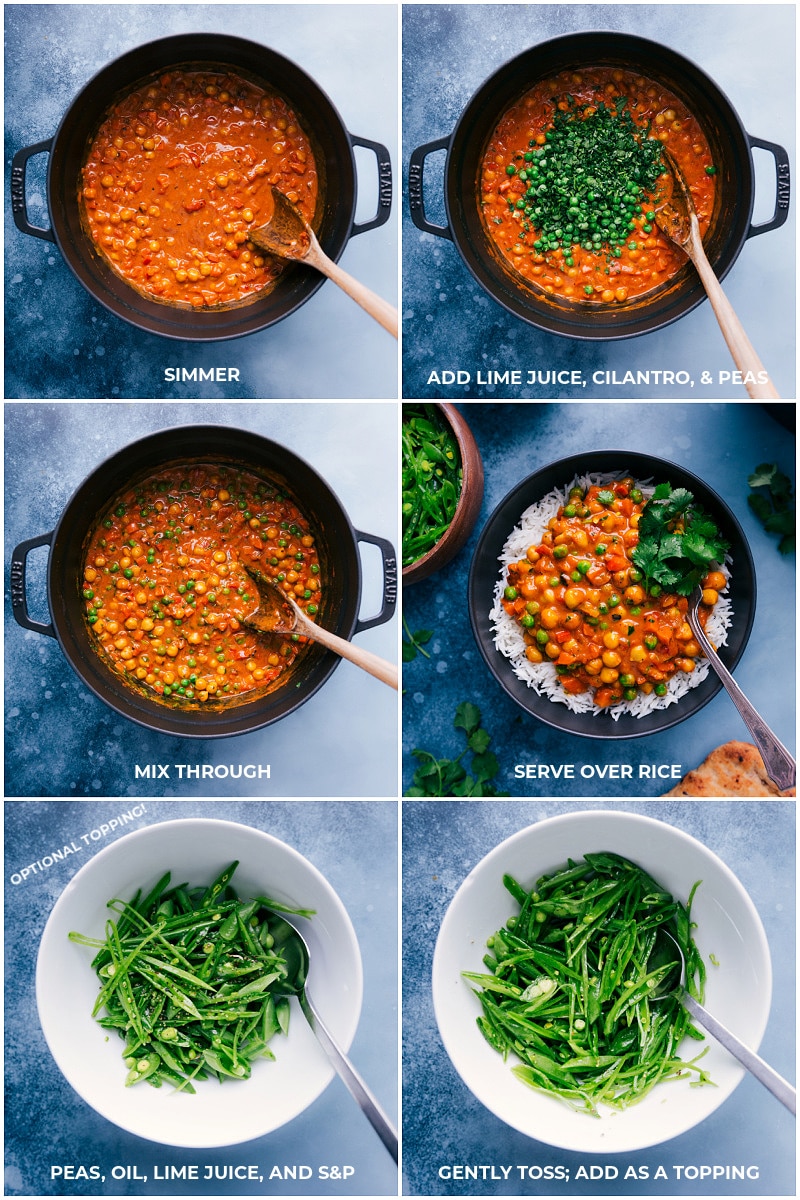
(572, 989)
(431, 479)
(195, 981)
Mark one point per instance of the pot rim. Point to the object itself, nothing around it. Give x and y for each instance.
(520, 301)
(135, 307)
(242, 717)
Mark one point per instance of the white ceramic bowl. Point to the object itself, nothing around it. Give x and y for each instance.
(90, 1057)
(738, 991)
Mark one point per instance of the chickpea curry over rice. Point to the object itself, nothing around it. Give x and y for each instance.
(179, 171)
(166, 589)
(592, 624)
(570, 182)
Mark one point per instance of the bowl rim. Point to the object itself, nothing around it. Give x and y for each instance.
(498, 528)
(493, 860)
(471, 486)
(49, 1011)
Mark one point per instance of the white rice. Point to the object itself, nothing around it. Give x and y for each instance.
(542, 677)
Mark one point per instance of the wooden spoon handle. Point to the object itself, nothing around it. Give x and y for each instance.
(372, 663)
(375, 305)
(740, 346)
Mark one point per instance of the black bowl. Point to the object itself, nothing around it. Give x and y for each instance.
(484, 572)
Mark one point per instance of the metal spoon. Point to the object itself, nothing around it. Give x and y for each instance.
(779, 764)
(278, 614)
(296, 951)
(747, 1057)
(677, 218)
(288, 235)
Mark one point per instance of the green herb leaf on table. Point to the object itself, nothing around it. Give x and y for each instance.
(450, 777)
(774, 504)
(416, 641)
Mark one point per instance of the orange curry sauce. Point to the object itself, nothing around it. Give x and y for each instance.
(165, 586)
(648, 257)
(583, 606)
(178, 172)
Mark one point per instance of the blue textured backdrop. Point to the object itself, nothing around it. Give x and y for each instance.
(354, 845)
(62, 343)
(61, 740)
(443, 1122)
(449, 50)
(722, 444)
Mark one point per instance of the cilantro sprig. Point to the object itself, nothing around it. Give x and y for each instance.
(449, 777)
(678, 541)
(772, 500)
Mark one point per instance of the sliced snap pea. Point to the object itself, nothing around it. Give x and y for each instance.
(195, 980)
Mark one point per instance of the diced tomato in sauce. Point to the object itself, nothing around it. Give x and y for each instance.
(165, 588)
(180, 170)
(583, 606)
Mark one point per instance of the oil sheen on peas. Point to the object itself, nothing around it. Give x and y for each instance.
(583, 605)
(166, 592)
(569, 184)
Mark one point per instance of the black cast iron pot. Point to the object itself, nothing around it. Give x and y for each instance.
(333, 151)
(485, 570)
(336, 542)
(730, 145)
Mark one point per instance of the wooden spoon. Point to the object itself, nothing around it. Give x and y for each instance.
(677, 218)
(278, 614)
(288, 235)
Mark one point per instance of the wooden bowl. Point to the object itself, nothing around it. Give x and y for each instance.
(469, 501)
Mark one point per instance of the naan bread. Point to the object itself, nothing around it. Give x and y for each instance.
(735, 769)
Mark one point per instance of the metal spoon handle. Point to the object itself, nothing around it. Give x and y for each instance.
(351, 1079)
(755, 1065)
(779, 763)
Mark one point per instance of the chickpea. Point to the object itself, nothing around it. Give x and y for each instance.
(533, 654)
(611, 658)
(710, 596)
(715, 580)
(549, 618)
(594, 666)
(611, 639)
(634, 594)
(607, 675)
(574, 596)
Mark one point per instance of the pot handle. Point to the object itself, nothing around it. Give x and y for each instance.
(783, 188)
(384, 184)
(416, 198)
(19, 605)
(389, 558)
(18, 206)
